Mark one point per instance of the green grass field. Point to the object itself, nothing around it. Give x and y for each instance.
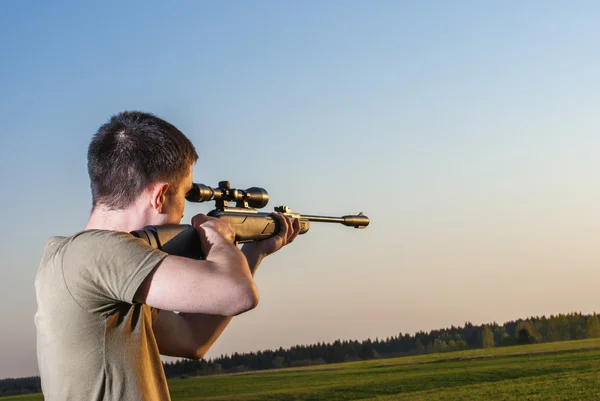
(552, 371)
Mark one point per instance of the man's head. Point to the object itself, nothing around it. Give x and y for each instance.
(135, 155)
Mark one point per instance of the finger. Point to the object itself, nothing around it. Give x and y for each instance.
(295, 230)
(291, 228)
(221, 227)
(284, 226)
(198, 219)
(205, 244)
(291, 233)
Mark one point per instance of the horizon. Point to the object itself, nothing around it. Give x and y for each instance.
(466, 132)
(381, 339)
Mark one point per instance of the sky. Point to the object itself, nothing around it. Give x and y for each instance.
(467, 131)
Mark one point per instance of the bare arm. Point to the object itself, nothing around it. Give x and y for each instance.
(221, 284)
(191, 335)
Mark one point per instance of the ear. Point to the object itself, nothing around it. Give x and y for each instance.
(158, 194)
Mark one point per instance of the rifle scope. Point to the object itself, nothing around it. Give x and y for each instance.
(252, 197)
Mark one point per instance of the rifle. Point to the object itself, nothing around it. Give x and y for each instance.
(246, 221)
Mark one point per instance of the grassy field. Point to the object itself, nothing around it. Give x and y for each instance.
(553, 371)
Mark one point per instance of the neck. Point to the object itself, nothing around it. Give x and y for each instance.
(126, 220)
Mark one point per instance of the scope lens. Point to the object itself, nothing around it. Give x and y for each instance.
(257, 197)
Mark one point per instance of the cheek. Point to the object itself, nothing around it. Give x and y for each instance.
(178, 209)
(174, 216)
(173, 210)
(173, 219)
(182, 205)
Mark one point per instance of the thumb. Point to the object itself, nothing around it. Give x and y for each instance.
(199, 219)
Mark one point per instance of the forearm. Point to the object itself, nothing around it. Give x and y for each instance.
(253, 256)
(224, 288)
(206, 329)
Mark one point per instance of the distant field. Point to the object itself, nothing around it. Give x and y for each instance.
(552, 371)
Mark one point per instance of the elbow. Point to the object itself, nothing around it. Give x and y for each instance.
(197, 354)
(252, 301)
(245, 299)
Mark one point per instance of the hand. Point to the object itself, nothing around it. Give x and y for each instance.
(211, 230)
(288, 231)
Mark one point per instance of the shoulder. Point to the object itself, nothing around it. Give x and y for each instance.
(102, 266)
(104, 249)
(100, 236)
(106, 242)
(90, 242)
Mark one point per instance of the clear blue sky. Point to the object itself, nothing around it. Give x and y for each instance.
(468, 131)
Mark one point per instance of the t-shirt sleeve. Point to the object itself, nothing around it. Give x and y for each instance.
(103, 268)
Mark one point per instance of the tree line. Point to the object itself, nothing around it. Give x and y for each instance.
(562, 327)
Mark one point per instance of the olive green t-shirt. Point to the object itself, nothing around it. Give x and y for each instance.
(93, 341)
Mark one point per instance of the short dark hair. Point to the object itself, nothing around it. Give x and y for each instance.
(131, 151)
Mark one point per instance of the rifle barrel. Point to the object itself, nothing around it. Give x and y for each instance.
(357, 221)
(323, 219)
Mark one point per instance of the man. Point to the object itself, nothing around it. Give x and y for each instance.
(106, 299)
